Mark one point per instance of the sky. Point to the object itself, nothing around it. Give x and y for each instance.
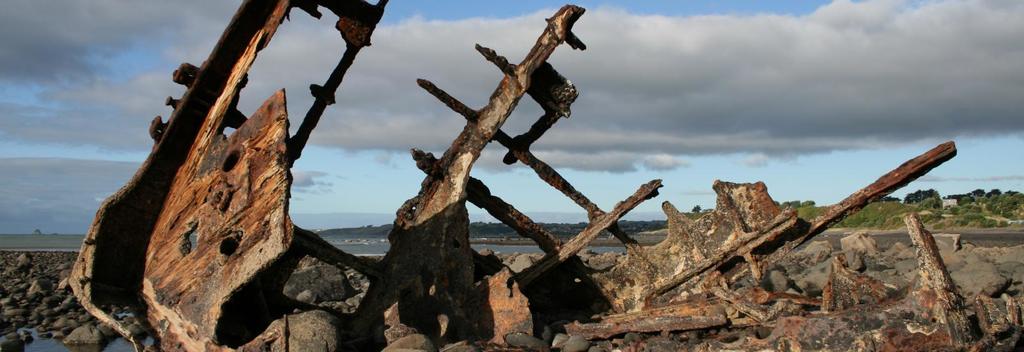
(815, 98)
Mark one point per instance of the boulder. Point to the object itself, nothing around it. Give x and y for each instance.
(859, 242)
(40, 286)
(85, 335)
(520, 263)
(576, 344)
(518, 339)
(315, 331)
(815, 252)
(980, 278)
(13, 345)
(414, 342)
(325, 283)
(947, 242)
(775, 281)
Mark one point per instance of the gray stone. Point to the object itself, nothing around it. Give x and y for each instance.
(980, 278)
(23, 261)
(315, 330)
(326, 283)
(15, 312)
(107, 331)
(576, 344)
(461, 346)
(12, 345)
(947, 242)
(520, 263)
(775, 281)
(859, 242)
(40, 286)
(416, 342)
(900, 250)
(631, 338)
(136, 329)
(813, 279)
(518, 339)
(816, 251)
(559, 340)
(855, 262)
(306, 296)
(85, 335)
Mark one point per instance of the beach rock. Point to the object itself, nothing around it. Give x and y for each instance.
(603, 261)
(107, 331)
(558, 340)
(815, 252)
(775, 281)
(813, 279)
(859, 242)
(415, 342)
(899, 250)
(980, 278)
(13, 345)
(518, 339)
(324, 282)
(40, 286)
(461, 346)
(15, 312)
(855, 262)
(136, 329)
(24, 261)
(314, 330)
(576, 344)
(306, 296)
(520, 263)
(947, 242)
(632, 338)
(85, 335)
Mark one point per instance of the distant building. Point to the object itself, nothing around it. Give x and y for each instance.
(949, 203)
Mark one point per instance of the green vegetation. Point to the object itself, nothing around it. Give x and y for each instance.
(977, 209)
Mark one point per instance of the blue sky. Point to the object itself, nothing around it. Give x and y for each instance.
(815, 98)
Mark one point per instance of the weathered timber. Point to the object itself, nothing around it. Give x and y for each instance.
(429, 269)
(577, 243)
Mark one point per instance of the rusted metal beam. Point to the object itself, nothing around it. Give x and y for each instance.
(949, 307)
(577, 243)
(691, 315)
(846, 288)
(357, 21)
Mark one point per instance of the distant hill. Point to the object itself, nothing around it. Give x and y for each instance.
(494, 230)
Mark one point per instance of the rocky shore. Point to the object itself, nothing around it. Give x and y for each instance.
(34, 294)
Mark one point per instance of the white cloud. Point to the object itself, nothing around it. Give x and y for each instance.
(851, 75)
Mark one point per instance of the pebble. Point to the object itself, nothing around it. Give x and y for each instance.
(518, 339)
(576, 344)
(417, 342)
(85, 335)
